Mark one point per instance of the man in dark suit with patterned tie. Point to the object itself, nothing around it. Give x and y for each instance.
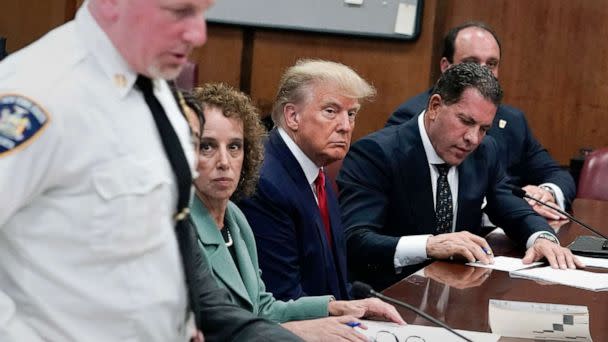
(414, 192)
(294, 212)
(526, 161)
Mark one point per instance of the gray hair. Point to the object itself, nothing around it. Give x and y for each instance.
(297, 82)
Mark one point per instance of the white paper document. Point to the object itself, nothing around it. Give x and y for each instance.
(507, 264)
(406, 19)
(539, 321)
(575, 278)
(386, 331)
(593, 262)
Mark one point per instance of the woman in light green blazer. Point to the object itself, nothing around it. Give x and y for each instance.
(229, 156)
(242, 276)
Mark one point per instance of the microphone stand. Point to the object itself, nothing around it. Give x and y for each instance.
(519, 192)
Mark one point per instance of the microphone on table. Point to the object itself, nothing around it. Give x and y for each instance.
(598, 246)
(362, 290)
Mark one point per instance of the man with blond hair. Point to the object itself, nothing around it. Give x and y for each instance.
(294, 212)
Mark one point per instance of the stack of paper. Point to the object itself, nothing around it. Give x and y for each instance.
(594, 262)
(507, 264)
(575, 278)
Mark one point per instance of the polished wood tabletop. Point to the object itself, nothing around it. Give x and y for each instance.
(459, 295)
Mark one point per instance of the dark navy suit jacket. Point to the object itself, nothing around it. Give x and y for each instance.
(526, 160)
(386, 192)
(294, 255)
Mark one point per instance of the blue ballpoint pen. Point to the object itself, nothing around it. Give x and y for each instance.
(353, 324)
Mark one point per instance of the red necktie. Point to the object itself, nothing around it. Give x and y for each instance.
(322, 197)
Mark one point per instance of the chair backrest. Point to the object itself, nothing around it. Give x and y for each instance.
(3, 52)
(593, 183)
(331, 171)
(188, 77)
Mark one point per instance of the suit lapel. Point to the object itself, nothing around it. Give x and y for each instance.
(247, 271)
(221, 261)
(304, 191)
(416, 169)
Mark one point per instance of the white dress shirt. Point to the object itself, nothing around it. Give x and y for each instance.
(87, 244)
(311, 170)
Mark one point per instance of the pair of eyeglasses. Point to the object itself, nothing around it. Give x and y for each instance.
(387, 336)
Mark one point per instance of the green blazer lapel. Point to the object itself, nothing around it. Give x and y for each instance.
(213, 244)
(248, 272)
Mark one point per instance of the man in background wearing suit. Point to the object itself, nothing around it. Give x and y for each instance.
(524, 158)
(414, 192)
(294, 212)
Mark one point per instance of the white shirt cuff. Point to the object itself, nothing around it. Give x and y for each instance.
(411, 250)
(534, 236)
(560, 200)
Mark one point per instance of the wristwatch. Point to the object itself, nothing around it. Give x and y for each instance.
(550, 190)
(548, 236)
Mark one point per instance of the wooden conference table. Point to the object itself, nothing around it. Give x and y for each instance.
(459, 294)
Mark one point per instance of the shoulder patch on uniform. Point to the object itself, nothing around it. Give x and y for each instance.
(21, 121)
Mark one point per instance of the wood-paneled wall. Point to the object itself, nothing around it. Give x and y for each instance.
(554, 63)
(23, 21)
(398, 69)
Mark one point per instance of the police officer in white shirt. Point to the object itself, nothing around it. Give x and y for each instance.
(87, 243)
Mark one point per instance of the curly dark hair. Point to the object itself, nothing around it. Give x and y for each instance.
(458, 78)
(235, 104)
(193, 104)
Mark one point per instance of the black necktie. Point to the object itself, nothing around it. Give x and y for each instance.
(184, 231)
(443, 199)
(171, 143)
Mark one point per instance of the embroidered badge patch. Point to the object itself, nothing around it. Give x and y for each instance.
(21, 120)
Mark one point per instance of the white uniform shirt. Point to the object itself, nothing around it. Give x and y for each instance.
(87, 247)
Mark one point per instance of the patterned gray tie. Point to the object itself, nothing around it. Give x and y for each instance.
(443, 199)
